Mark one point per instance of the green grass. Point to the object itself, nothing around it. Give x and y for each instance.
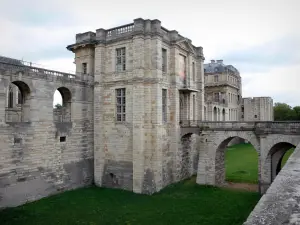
(286, 156)
(182, 203)
(241, 163)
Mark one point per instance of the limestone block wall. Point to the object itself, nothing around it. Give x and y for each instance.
(257, 109)
(40, 157)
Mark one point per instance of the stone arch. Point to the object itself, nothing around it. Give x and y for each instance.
(18, 102)
(220, 156)
(211, 166)
(187, 157)
(215, 114)
(274, 147)
(63, 113)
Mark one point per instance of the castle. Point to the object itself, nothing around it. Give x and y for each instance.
(121, 116)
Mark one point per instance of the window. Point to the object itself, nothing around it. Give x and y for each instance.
(194, 72)
(120, 59)
(216, 97)
(10, 97)
(62, 139)
(255, 116)
(164, 60)
(84, 68)
(19, 97)
(242, 108)
(216, 78)
(121, 104)
(164, 105)
(194, 107)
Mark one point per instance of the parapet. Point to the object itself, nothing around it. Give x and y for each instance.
(139, 26)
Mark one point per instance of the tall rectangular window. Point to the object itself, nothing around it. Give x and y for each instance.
(19, 97)
(164, 60)
(216, 97)
(164, 105)
(84, 68)
(216, 78)
(194, 71)
(194, 107)
(121, 59)
(121, 104)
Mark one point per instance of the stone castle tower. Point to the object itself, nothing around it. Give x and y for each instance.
(148, 80)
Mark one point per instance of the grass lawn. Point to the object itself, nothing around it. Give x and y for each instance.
(241, 163)
(184, 203)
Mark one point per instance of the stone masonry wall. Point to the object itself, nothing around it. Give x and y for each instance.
(34, 163)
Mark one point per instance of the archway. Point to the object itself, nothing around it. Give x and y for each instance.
(237, 165)
(223, 114)
(187, 157)
(62, 100)
(279, 154)
(18, 102)
(215, 112)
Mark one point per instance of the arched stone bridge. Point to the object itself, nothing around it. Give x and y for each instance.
(270, 139)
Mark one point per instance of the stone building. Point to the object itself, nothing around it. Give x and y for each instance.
(257, 109)
(223, 96)
(223, 92)
(148, 80)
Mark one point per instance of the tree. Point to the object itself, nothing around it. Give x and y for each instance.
(58, 106)
(283, 112)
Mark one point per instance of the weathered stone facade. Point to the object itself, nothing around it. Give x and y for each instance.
(34, 162)
(143, 152)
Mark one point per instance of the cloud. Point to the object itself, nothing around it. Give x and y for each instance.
(271, 54)
(257, 37)
(281, 83)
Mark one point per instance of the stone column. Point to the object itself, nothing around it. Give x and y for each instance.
(100, 146)
(265, 178)
(138, 103)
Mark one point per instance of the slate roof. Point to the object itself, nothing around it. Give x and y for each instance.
(219, 67)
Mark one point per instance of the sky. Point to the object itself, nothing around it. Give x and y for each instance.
(260, 38)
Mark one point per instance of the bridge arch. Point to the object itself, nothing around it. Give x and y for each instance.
(274, 147)
(211, 166)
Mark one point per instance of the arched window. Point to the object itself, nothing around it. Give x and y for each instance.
(62, 105)
(10, 97)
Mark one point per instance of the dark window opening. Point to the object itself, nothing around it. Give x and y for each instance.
(164, 60)
(255, 116)
(62, 139)
(84, 68)
(10, 98)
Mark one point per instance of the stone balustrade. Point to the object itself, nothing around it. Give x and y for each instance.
(261, 127)
(28, 68)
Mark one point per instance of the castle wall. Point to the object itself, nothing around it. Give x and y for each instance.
(258, 109)
(34, 163)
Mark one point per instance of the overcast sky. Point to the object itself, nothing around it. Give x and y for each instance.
(261, 38)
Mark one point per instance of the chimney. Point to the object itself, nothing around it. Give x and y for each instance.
(220, 61)
(212, 61)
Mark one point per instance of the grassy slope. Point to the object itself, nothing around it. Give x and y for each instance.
(183, 203)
